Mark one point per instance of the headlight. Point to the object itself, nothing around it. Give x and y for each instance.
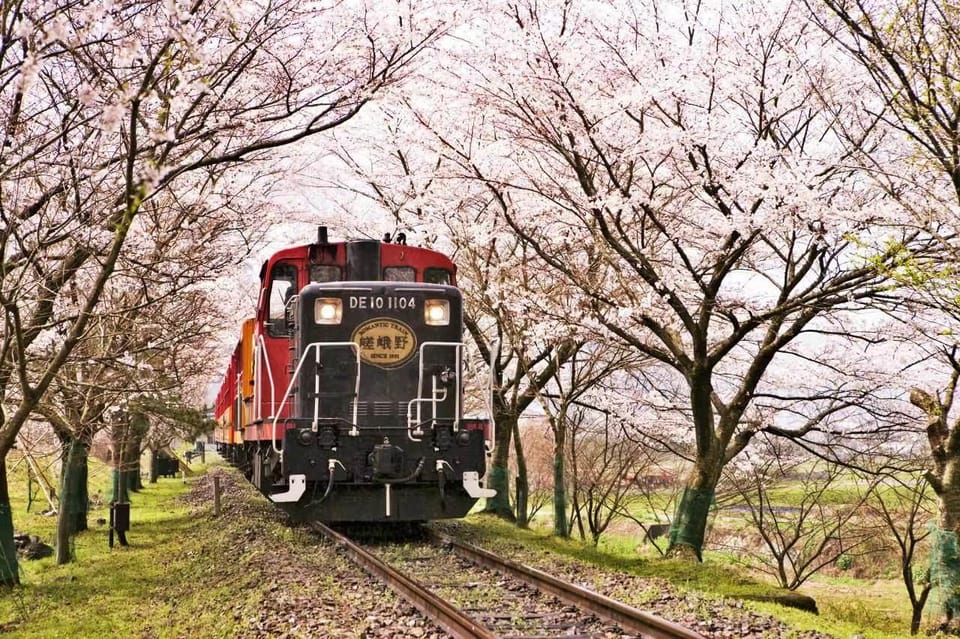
(328, 310)
(437, 312)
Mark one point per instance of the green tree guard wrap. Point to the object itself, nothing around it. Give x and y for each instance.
(689, 523)
(945, 569)
(73, 496)
(9, 568)
(499, 504)
(79, 523)
(120, 493)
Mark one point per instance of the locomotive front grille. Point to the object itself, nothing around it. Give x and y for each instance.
(381, 409)
(387, 409)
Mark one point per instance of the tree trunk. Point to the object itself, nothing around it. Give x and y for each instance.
(522, 502)
(129, 481)
(576, 514)
(73, 506)
(561, 527)
(121, 491)
(132, 476)
(120, 496)
(119, 488)
(523, 484)
(689, 525)
(128, 462)
(917, 616)
(945, 555)
(76, 474)
(9, 569)
(499, 476)
(127, 439)
(154, 460)
(131, 458)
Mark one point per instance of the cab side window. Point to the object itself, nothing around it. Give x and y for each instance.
(283, 286)
(435, 275)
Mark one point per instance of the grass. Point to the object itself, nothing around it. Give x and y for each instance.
(172, 580)
(159, 586)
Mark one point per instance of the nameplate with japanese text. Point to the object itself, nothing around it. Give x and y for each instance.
(385, 342)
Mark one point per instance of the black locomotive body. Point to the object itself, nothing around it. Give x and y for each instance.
(378, 403)
(365, 342)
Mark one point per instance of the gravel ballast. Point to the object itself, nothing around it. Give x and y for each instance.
(292, 584)
(296, 585)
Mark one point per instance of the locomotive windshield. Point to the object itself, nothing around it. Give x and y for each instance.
(437, 276)
(325, 273)
(399, 274)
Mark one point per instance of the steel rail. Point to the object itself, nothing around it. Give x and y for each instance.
(442, 613)
(627, 617)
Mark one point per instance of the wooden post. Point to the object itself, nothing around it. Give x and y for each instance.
(216, 495)
(47, 488)
(29, 487)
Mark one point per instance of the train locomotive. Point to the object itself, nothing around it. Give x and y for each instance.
(343, 400)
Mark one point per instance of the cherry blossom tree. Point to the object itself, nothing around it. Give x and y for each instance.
(564, 403)
(107, 105)
(538, 455)
(148, 337)
(799, 538)
(530, 356)
(602, 465)
(902, 505)
(908, 50)
(943, 435)
(684, 172)
(520, 342)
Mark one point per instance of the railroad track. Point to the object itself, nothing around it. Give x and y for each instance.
(535, 615)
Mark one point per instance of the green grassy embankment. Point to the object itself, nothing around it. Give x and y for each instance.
(180, 578)
(165, 584)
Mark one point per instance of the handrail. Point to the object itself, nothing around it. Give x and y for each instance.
(457, 346)
(261, 348)
(293, 380)
(494, 356)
